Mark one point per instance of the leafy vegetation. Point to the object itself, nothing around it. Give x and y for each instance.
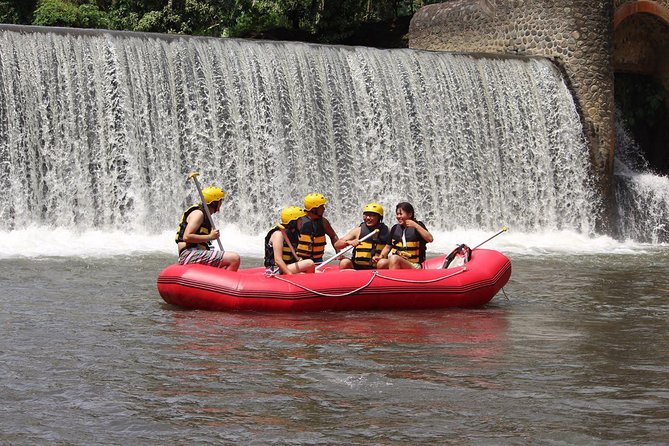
(324, 21)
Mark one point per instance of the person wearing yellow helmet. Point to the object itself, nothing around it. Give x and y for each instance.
(366, 254)
(195, 233)
(408, 240)
(280, 245)
(313, 229)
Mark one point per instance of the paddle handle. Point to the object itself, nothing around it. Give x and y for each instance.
(344, 251)
(504, 229)
(193, 176)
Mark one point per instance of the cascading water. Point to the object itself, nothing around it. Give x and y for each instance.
(642, 196)
(100, 130)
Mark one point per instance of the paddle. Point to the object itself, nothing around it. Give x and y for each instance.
(504, 229)
(193, 176)
(287, 240)
(449, 258)
(344, 251)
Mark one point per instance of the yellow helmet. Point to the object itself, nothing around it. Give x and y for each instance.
(212, 194)
(313, 200)
(375, 208)
(291, 213)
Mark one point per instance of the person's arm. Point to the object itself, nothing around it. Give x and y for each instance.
(421, 230)
(385, 253)
(331, 233)
(195, 220)
(386, 250)
(350, 239)
(277, 248)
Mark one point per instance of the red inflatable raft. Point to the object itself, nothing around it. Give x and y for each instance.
(470, 285)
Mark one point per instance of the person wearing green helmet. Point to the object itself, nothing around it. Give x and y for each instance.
(366, 254)
(314, 228)
(280, 242)
(194, 234)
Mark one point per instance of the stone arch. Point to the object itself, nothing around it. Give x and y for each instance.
(641, 40)
(641, 57)
(639, 6)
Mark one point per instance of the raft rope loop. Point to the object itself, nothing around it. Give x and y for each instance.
(371, 279)
(464, 268)
(507, 297)
(326, 294)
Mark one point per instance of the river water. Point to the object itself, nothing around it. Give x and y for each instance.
(577, 354)
(100, 131)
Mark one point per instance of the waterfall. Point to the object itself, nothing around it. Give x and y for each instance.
(642, 196)
(99, 130)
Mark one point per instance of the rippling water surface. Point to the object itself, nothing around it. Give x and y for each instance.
(89, 354)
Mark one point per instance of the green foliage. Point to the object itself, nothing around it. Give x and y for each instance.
(126, 14)
(201, 18)
(152, 21)
(63, 13)
(55, 13)
(17, 11)
(340, 20)
(7, 13)
(123, 20)
(89, 16)
(326, 21)
(256, 19)
(197, 17)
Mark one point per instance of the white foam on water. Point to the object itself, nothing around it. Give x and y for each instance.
(40, 241)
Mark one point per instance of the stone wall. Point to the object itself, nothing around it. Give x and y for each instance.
(575, 34)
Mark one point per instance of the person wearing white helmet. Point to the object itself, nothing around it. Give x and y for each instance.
(280, 245)
(314, 228)
(366, 254)
(194, 234)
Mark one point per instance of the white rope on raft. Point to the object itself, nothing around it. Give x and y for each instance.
(371, 279)
(464, 268)
(327, 294)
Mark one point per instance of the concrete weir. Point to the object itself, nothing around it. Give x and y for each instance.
(576, 35)
(589, 40)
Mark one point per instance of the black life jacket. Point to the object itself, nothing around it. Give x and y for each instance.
(286, 253)
(311, 243)
(366, 250)
(415, 247)
(204, 229)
